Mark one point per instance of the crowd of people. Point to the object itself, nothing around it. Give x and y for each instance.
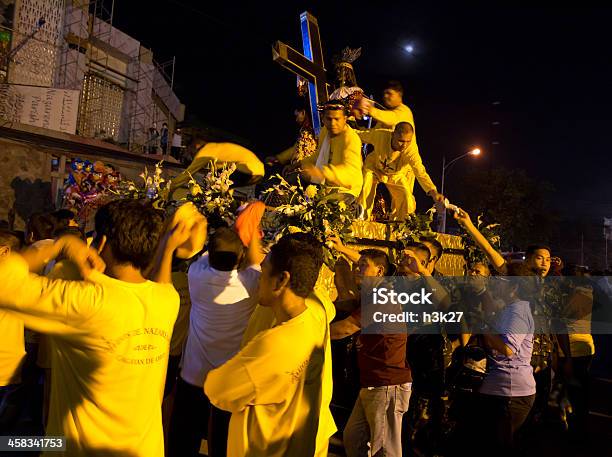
(153, 332)
(239, 341)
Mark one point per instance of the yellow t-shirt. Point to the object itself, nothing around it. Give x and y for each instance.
(275, 388)
(390, 165)
(111, 342)
(12, 348)
(579, 313)
(344, 169)
(181, 326)
(388, 119)
(61, 270)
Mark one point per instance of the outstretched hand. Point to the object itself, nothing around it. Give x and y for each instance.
(437, 197)
(462, 217)
(335, 242)
(365, 105)
(196, 224)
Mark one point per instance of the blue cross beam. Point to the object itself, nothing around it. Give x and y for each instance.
(309, 65)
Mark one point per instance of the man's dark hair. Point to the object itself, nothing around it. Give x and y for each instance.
(436, 244)
(225, 249)
(74, 231)
(62, 218)
(41, 226)
(301, 255)
(10, 239)
(532, 248)
(334, 105)
(416, 246)
(132, 229)
(395, 85)
(404, 127)
(471, 265)
(63, 215)
(377, 257)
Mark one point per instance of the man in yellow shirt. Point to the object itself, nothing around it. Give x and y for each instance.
(12, 344)
(396, 111)
(395, 162)
(275, 385)
(111, 333)
(337, 162)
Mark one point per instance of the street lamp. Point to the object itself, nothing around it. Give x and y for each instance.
(446, 166)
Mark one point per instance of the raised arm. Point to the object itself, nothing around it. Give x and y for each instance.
(71, 247)
(439, 293)
(416, 163)
(337, 244)
(184, 237)
(248, 226)
(495, 258)
(162, 268)
(388, 117)
(41, 301)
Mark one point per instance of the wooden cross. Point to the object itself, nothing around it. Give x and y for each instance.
(309, 65)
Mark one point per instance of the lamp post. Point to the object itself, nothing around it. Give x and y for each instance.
(446, 166)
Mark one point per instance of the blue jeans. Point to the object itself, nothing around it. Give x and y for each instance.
(377, 419)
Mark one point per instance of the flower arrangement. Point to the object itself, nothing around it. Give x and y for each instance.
(472, 254)
(212, 195)
(154, 185)
(414, 227)
(317, 210)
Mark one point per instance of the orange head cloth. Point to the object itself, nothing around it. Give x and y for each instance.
(247, 223)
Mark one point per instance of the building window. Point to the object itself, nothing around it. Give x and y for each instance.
(100, 108)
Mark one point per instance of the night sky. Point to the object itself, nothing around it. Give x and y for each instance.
(549, 69)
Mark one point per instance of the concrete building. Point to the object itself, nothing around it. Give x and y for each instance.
(122, 92)
(74, 86)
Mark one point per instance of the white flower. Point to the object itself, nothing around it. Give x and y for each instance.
(196, 190)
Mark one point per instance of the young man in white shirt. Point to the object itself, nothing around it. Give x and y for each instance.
(275, 386)
(223, 297)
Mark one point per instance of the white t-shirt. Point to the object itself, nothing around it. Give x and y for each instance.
(177, 140)
(221, 304)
